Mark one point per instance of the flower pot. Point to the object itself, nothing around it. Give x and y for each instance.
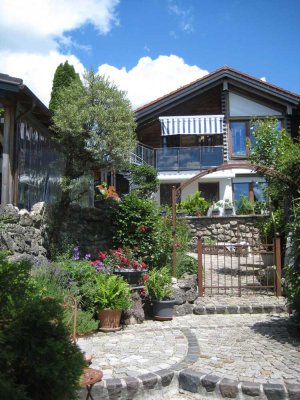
(228, 211)
(109, 320)
(215, 212)
(163, 309)
(133, 277)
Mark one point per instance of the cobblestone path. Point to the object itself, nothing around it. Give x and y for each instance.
(246, 347)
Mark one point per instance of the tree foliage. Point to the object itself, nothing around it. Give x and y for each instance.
(64, 75)
(276, 149)
(144, 179)
(94, 125)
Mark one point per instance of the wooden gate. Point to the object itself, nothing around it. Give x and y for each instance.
(239, 268)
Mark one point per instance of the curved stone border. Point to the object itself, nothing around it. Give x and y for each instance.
(240, 309)
(164, 380)
(205, 384)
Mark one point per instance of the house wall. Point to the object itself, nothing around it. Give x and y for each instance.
(207, 103)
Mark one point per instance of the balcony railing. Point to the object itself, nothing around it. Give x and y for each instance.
(188, 158)
(142, 155)
(192, 125)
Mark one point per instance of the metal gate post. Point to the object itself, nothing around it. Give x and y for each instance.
(278, 266)
(200, 269)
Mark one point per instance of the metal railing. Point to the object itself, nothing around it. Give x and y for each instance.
(142, 155)
(188, 158)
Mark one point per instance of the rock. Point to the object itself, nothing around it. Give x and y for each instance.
(192, 295)
(183, 309)
(135, 314)
(179, 295)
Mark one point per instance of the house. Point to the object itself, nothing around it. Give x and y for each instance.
(30, 163)
(206, 124)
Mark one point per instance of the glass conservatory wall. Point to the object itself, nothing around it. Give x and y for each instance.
(39, 166)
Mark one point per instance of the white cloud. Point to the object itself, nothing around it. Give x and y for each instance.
(263, 78)
(36, 70)
(150, 79)
(34, 32)
(29, 23)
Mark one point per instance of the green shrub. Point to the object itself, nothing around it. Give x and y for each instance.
(244, 206)
(83, 277)
(136, 227)
(112, 292)
(38, 352)
(86, 322)
(144, 178)
(185, 264)
(16, 286)
(159, 284)
(194, 204)
(35, 348)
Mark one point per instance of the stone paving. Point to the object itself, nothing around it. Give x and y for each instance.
(245, 347)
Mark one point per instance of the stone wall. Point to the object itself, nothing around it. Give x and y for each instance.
(225, 229)
(30, 234)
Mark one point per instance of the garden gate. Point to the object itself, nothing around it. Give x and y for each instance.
(243, 267)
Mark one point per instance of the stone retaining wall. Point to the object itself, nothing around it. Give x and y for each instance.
(29, 234)
(225, 229)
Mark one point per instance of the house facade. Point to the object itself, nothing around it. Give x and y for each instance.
(30, 163)
(206, 124)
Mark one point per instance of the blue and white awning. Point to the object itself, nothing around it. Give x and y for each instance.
(192, 125)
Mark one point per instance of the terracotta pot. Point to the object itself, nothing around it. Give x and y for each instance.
(109, 320)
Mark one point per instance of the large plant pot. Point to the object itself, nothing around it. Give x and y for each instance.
(109, 320)
(133, 277)
(163, 309)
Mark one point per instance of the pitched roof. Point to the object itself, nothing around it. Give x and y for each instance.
(222, 72)
(18, 90)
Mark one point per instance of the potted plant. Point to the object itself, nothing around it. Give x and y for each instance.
(122, 263)
(228, 207)
(158, 284)
(215, 211)
(112, 295)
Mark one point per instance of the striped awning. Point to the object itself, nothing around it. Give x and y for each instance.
(192, 125)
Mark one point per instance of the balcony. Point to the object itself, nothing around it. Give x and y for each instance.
(188, 158)
(192, 125)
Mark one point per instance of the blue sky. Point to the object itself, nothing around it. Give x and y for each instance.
(150, 47)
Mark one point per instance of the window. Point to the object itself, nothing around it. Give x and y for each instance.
(253, 190)
(241, 135)
(238, 135)
(240, 189)
(210, 191)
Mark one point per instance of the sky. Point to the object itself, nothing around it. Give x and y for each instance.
(150, 47)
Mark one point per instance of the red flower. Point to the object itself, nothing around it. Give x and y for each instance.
(146, 277)
(102, 255)
(143, 265)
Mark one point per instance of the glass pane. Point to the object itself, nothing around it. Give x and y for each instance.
(238, 130)
(189, 158)
(240, 189)
(211, 156)
(167, 159)
(258, 188)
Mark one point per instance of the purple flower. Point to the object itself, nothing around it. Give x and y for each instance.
(99, 266)
(88, 256)
(76, 255)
